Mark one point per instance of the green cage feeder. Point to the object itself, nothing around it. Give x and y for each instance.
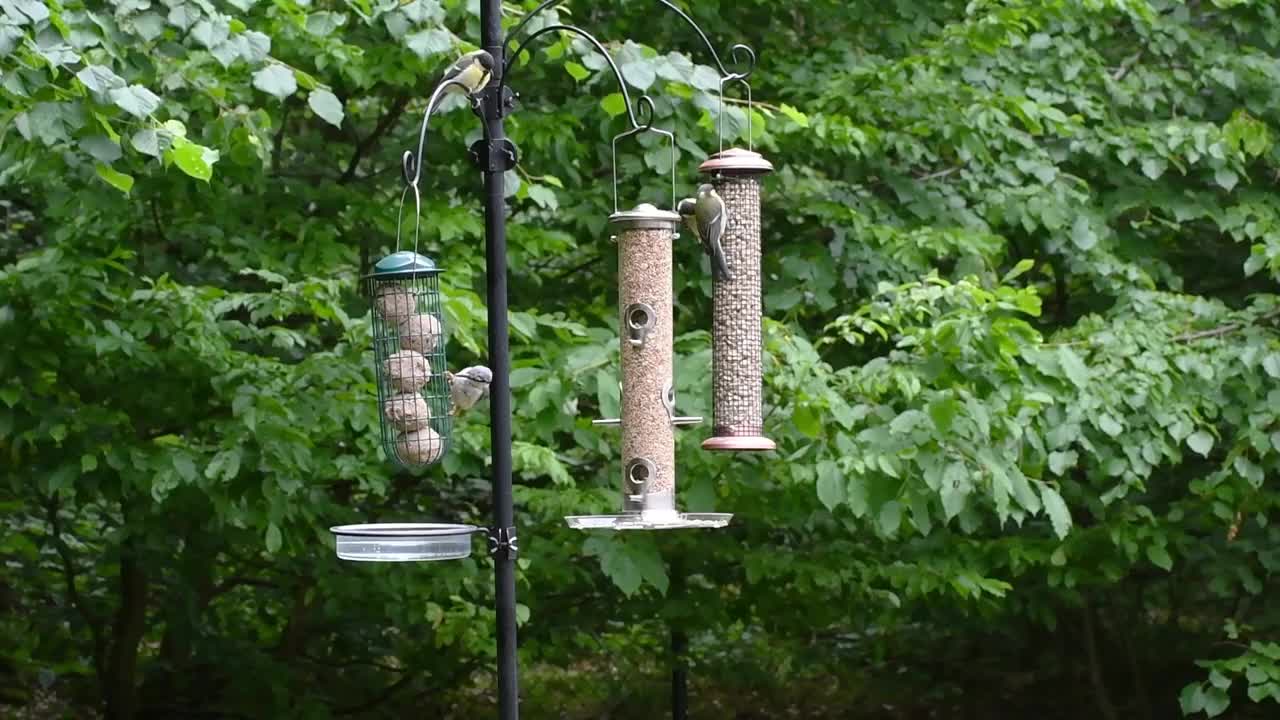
(409, 359)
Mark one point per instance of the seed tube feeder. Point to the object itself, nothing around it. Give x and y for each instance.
(736, 346)
(409, 358)
(645, 236)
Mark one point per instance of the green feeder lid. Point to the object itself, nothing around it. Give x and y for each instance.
(405, 264)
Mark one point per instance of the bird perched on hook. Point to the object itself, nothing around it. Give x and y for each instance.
(473, 70)
(468, 387)
(705, 215)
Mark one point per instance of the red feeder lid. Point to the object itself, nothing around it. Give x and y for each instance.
(736, 161)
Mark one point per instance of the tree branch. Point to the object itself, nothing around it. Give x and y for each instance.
(938, 174)
(385, 123)
(73, 593)
(1106, 707)
(278, 141)
(1126, 66)
(1225, 329)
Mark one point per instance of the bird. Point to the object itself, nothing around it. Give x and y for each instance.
(468, 386)
(473, 70)
(706, 217)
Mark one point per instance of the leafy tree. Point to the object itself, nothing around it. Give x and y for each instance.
(1022, 360)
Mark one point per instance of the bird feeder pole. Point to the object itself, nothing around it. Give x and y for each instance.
(495, 155)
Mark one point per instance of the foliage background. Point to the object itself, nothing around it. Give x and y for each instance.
(1022, 354)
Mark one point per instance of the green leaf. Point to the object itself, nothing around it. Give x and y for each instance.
(629, 561)
(100, 79)
(614, 104)
(146, 142)
(194, 160)
(426, 43)
(225, 465)
(1201, 442)
(890, 517)
(704, 78)
(1108, 424)
(1056, 509)
(185, 467)
(1271, 364)
(135, 100)
(794, 115)
(1159, 556)
(943, 412)
(88, 463)
(276, 80)
(831, 484)
(1153, 168)
(117, 180)
(1082, 233)
(274, 538)
(1226, 178)
(1022, 267)
(327, 106)
(807, 420)
(1074, 368)
(1216, 701)
(101, 148)
(955, 490)
(906, 422)
(1060, 462)
(575, 70)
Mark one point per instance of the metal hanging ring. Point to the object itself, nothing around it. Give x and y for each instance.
(750, 107)
(671, 138)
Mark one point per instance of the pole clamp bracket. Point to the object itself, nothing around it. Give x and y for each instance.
(503, 540)
(492, 157)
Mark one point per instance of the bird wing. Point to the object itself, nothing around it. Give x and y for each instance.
(710, 219)
(460, 64)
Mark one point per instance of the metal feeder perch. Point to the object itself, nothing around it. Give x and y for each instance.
(409, 356)
(645, 237)
(737, 383)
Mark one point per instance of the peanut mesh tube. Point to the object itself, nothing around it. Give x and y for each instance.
(736, 343)
(644, 284)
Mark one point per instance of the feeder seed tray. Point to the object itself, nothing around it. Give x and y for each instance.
(403, 542)
(649, 520)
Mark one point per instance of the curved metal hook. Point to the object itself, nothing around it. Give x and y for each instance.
(411, 163)
(417, 214)
(515, 31)
(617, 73)
(749, 60)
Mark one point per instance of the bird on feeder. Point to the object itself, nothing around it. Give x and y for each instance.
(705, 215)
(473, 70)
(468, 387)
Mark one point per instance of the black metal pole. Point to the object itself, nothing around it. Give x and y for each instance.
(493, 160)
(679, 675)
(679, 646)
